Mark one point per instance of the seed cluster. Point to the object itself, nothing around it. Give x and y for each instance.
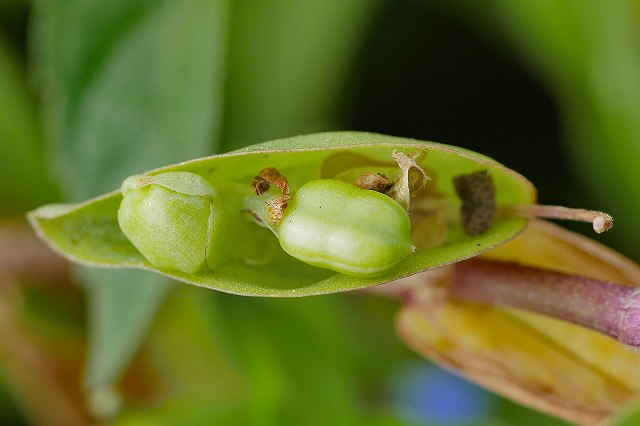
(363, 228)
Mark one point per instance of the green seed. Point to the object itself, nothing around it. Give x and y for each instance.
(171, 219)
(336, 225)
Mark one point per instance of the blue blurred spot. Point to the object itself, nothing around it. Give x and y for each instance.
(427, 393)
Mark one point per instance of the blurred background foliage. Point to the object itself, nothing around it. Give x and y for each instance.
(92, 91)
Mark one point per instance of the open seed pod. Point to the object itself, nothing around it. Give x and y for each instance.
(243, 258)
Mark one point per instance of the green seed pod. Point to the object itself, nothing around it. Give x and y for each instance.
(254, 263)
(172, 218)
(336, 225)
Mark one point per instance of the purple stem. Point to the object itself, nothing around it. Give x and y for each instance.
(607, 307)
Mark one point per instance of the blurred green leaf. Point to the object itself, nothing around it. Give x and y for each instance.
(123, 306)
(288, 65)
(589, 52)
(629, 416)
(23, 181)
(127, 85)
(515, 414)
(89, 232)
(248, 363)
(11, 6)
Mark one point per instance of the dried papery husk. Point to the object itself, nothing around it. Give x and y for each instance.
(277, 205)
(411, 179)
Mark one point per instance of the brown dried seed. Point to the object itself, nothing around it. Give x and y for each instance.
(478, 195)
(374, 181)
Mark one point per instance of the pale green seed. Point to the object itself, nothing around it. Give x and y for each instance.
(336, 225)
(172, 218)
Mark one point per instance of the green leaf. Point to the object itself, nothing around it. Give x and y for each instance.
(288, 66)
(23, 181)
(123, 306)
(245, 361)
(88, 232)
(127, 85)
(130, 85)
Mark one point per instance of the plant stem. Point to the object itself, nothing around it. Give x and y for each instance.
(607, 307)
